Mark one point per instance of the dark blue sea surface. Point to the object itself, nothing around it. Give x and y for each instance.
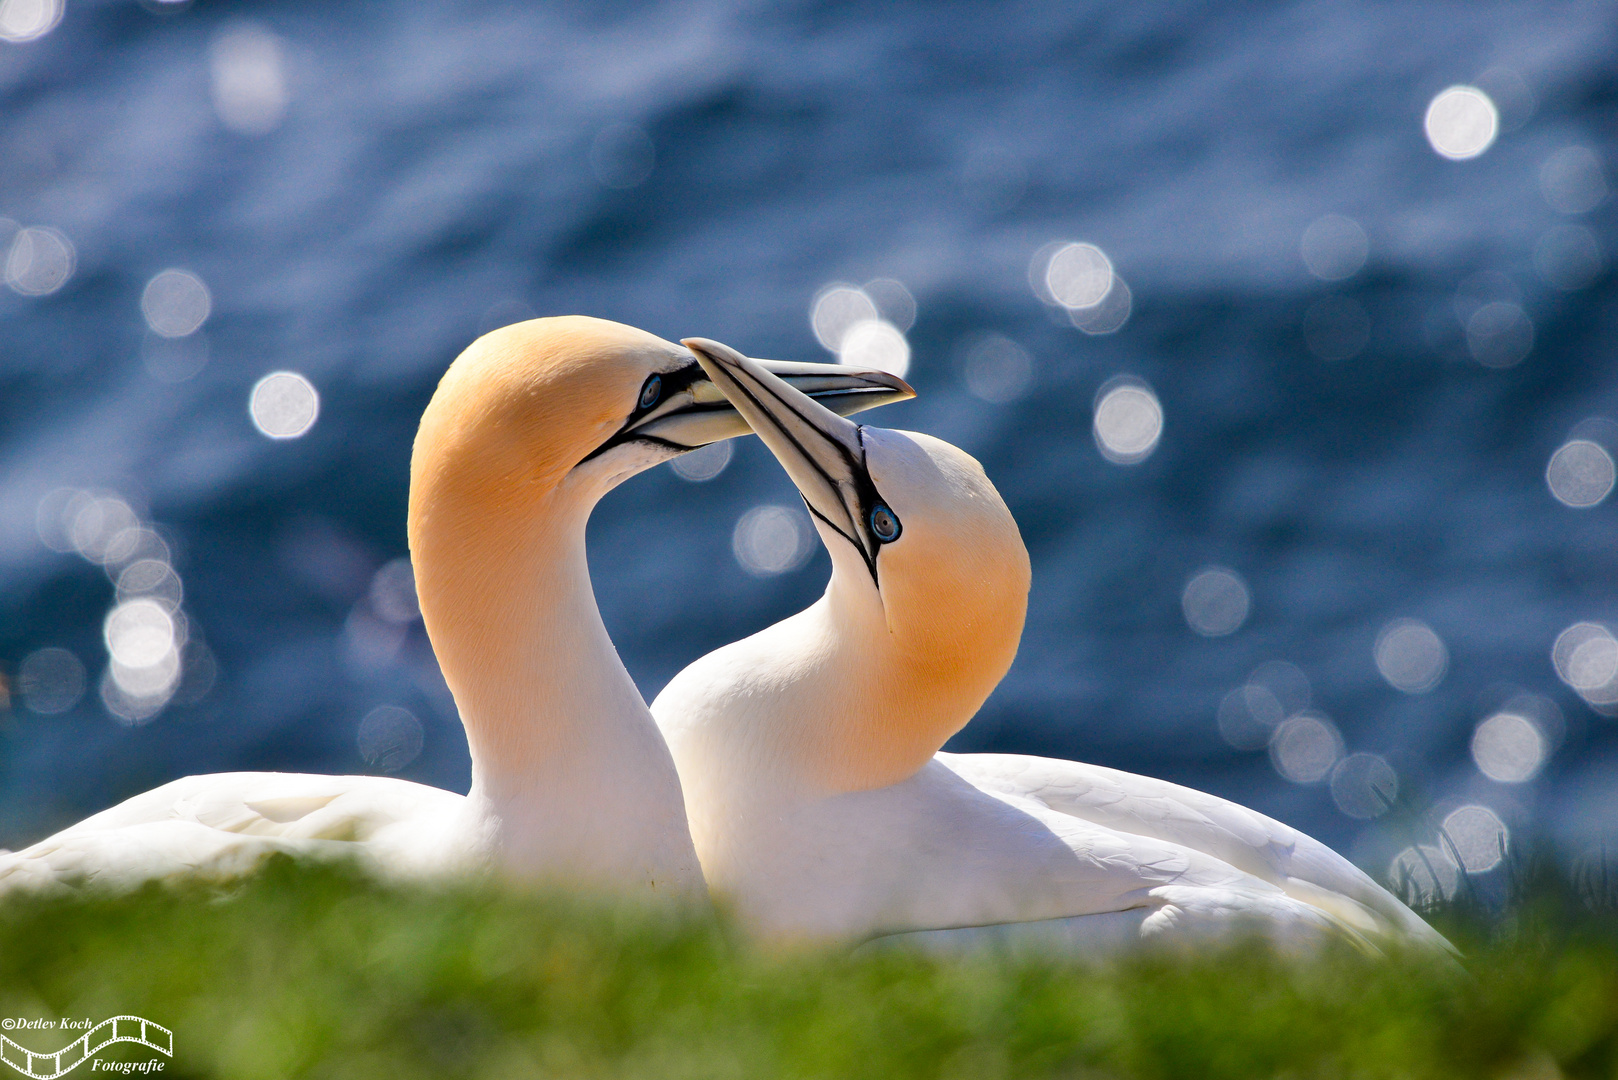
(363, 188)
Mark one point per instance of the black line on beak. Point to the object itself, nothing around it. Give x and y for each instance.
(865, 493)
(674, 383)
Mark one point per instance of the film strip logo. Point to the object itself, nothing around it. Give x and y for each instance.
(130, 1029)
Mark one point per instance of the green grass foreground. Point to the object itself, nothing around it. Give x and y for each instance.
(318, 971)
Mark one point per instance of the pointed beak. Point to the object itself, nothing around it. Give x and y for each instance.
(701, 413)
(820, 450)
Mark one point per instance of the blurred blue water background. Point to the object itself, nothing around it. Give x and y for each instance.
(1365, 355)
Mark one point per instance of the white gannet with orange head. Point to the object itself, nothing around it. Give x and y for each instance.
(571, 781)
(819, 804)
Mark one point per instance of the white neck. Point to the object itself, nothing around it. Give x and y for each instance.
(570, 778)
(828, 700)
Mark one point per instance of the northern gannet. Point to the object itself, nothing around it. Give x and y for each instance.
(819, 804)
(571, 780)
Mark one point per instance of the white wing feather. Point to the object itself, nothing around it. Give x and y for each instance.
(1300, 866)
(222, 825)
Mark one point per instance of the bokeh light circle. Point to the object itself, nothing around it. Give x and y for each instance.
(139, 633)
(1585, 656)
(1128, 421)
(1079, 276)
(875, 344)
(50, 681)
(26, 20)
(1305, 747)
(389, 738)
(1461, 123)
(1423, 874)
(1478, 837)
(838, 308)
(1364, 786)
(1500, 334)
(284, 405)
(40, 262)
(1508, 748)
(175, 303)
(1334, 247)
(997, 370)
(1573, 181)
(1410, 656)
(703, 463)
(1580, 473)
(1215, 601)
(770, 540)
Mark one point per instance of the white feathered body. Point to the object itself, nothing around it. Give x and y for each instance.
(983, 840)
(973, 840)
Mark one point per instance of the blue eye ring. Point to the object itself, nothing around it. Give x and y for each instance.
(650, 391)
(884, 524)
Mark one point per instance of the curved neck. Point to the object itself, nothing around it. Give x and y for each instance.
(832, 699)
(897, 697)
(570, 777)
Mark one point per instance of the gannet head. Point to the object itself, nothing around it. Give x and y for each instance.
(927, 561)
(587, 403)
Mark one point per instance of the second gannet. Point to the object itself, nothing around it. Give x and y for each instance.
(819, 804)
(571, 781)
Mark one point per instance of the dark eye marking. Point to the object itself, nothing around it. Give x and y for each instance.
(884, 524)
(651, 391)
(658, 389)
(874, 523)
